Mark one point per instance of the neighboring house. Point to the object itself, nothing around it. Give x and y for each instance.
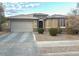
(30, 22)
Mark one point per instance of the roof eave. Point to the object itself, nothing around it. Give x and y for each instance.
(22, 18)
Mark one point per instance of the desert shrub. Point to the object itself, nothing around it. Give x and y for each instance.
(71, 31)
(53, 31)
(40, 30)
(75, 31)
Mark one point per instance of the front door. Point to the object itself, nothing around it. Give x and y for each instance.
(40, 24)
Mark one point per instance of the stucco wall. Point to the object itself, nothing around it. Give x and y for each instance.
(51, 23)
(54, 23)
(34, 25)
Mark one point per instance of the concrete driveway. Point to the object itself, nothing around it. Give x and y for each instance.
(20, 44)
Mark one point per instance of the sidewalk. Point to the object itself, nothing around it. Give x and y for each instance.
(57, 43)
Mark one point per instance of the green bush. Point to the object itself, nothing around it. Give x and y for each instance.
(53, 31)
(40, 30)
(59, 30)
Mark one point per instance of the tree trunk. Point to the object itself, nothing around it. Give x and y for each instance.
(0, 28)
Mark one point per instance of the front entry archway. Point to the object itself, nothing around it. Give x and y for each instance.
(40, 24)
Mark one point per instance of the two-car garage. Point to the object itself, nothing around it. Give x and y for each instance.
(21, 25)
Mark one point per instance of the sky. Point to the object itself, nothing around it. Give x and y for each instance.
(50, 8)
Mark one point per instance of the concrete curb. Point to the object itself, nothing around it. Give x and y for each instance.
(34, 37)
(63, 53)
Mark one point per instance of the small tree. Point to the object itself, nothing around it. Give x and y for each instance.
(2, 18)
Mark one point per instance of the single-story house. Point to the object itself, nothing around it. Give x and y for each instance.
(30, 22)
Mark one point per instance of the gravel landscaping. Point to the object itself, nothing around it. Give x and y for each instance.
(45, 50)
(47, 37)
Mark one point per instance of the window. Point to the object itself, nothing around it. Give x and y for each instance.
(62, 22)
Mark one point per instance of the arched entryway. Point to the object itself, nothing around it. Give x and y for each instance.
(40, 24)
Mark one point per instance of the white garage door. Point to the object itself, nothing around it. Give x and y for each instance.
(21, 26)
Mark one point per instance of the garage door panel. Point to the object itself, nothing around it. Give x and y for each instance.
(21, 26)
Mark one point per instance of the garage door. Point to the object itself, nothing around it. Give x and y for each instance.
(21, 26)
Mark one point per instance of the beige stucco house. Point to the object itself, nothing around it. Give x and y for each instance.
(30, 22)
